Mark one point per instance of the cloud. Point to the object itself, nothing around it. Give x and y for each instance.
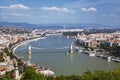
(57, 9)
(15, 6)
(92, 9)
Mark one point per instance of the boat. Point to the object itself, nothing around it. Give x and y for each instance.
(98, 55)
(115, 59)
(91, 54)
(80, 50)
(104, 56)
(86, 52)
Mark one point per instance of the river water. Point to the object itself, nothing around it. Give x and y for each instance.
(50, 52)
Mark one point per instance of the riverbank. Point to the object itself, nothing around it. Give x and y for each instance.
(54, 34)
(24, 42)
(100, 53)
(15, 46)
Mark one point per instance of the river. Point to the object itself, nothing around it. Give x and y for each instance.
(50, 52)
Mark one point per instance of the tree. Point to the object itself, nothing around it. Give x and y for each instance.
(114, 75)
(30, 74)
(87, 75)
(100, 75)
(6, 51)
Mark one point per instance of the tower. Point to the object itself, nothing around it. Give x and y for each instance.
(29, 52)
(16, 71)
(78, 35)
(29, 49)
(83, 34)
(71, 49)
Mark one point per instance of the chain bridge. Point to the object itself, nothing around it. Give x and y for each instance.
(45, 50)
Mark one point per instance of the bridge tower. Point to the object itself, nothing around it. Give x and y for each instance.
(71, 49)
(29, 52)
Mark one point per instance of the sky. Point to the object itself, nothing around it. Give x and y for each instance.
(61, 11)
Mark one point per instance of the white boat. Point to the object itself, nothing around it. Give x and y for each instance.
(115, 60)
(91, 54)
(80, 50)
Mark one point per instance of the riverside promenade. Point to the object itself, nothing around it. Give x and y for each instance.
(24, 42)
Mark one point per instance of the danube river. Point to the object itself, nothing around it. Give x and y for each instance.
(50, 52)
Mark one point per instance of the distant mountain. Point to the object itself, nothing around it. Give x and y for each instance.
(58, 25)
(11, 24)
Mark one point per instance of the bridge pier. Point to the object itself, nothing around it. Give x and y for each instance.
(29, 52)
(71, 49)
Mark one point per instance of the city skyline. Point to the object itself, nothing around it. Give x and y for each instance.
(61, 11)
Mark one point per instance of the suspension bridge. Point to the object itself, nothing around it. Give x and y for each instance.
(45, 50)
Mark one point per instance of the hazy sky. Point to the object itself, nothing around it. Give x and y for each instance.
(61, 11)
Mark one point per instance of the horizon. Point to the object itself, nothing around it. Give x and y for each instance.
(105, 12)
(55, 23)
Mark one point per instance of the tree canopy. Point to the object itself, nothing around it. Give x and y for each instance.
(30, 74)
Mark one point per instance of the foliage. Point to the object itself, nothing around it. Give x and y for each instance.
(20, 62)
(6, 78)
(1, 57)
(6, 51)
(88, 75)
(111, 49)
(30, 74)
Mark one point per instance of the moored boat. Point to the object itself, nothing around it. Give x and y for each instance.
(91, 54)
(115, 59)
